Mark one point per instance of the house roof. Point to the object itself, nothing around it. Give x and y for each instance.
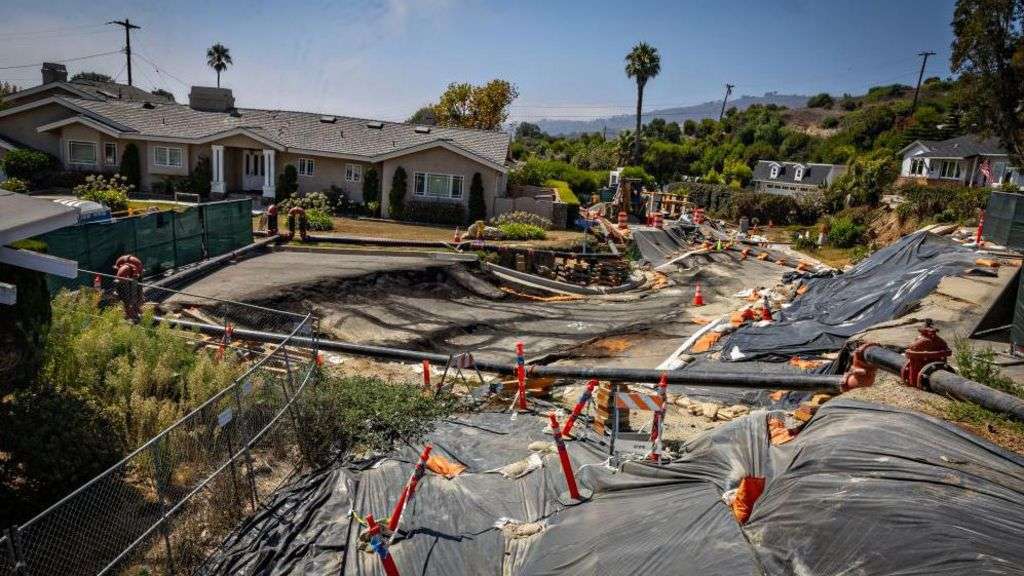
(92, 89)
(23, 216)
(959, 147)
(814, 174)
(301, 132)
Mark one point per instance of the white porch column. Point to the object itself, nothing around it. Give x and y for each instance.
(269, 175)
(217, 167)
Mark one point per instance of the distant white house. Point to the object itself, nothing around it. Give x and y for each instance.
(792, 178)
(965, 160)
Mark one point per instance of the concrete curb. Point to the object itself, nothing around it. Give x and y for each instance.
(440, 256)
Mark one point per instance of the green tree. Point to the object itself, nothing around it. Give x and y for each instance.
(690, 127)
(424, 116)
(371, 187)
(131, 165)
(287, 184)
(218, 57)
(482, 107)
(396, 196)
(28, 165)
(866, 180)
(736, 170)
(477, 204)
(666, 161)
(823, 100)
(528, 130)
(988, 54)
(642, 64)
(92, 76)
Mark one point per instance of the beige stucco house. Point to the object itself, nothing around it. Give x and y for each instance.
(248, 148)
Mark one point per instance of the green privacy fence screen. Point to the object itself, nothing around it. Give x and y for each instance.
(162, 240)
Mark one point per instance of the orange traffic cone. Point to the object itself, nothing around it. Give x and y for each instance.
(698, 297)
(458, 236)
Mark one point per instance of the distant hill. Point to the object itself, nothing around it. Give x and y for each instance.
(697, 112)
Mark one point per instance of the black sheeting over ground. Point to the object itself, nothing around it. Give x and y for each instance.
(864, 489)
(659, 246)
(882, 287)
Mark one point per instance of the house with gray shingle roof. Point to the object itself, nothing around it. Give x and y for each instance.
(969, 160)
(792, 178)
(248, 148)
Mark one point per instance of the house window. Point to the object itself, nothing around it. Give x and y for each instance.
(917, 167)
(353, 172)
(437, 185)
(307, 166)
(950, 169)
(110, 153)
(799, 174)
(775, 171)
(82, 153)
(168, 157)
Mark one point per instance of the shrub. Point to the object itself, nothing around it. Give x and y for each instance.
(765, 207)
(980, 365)
(111, 192)
(198, 182)
(396, 197)
(849, 104)
(566, 195)
(287, 184)
(313, 201)
(446, 213)
(131, 165)
(28, 165)
(520, 217)
(343, 413)
(319, 221)
(844, 232)
(582, 182)
(830, 122)
(947, 203)
(516, 231)
(822, 100)
(636, 172)
(802, 240)
(371, 191)
(23, 326)
(477, 204)
(15, 185)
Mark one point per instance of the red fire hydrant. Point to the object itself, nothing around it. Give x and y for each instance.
(929, 348)
(272, 220)
(128, 270)
(297, 216)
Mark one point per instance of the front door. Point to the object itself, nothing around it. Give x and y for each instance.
(254, 168)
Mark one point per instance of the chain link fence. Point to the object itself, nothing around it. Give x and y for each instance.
(166, 506)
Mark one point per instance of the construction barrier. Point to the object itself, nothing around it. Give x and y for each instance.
(659, 421)
(408, 491)
(574, 495)
(578, 408)
(639, 401)
(521, 376)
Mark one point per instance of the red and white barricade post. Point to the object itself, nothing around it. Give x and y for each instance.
(658, 424)
(408, 492)
(521, 378)
(588, 392)
(574, 495)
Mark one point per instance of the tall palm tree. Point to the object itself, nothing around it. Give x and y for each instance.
(642, 63)
(218, 57)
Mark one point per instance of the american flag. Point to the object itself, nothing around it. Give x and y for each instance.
(986, 169)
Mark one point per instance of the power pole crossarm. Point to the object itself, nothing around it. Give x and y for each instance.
(920, 75)
(128, 27)
(728, 90)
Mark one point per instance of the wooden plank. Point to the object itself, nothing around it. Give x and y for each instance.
(39, 262)
(8, 294)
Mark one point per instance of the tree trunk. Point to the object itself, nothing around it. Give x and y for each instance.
(636, 135)
(218, 78)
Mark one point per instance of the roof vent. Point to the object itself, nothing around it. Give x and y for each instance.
(148, 105)
(328, 119)
(423, 129)
(375, 125)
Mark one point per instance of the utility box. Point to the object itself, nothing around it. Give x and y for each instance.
(1004, 220)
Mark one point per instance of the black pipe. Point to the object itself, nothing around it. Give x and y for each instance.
(949, 383)
(754, 380)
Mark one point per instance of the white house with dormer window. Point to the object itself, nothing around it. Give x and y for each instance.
(964, 160)
(792, 178)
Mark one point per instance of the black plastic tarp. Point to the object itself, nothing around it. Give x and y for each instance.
(863, 489)
(659, 246)
(884, 286)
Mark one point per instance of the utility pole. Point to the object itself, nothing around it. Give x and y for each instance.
(728, 90)
(920, 75)
(128, 27)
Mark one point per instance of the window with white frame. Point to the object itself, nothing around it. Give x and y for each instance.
(353, 173)
(168, 157)
(82, 153)
(775, 171)
(307, 166)
(917, 167)
(437, 185)
(798, 175)
(950, 169)
(110, 153)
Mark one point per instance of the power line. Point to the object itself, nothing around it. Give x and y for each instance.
(49, 31)
(163, 72)
(128, 27)
(63, 61)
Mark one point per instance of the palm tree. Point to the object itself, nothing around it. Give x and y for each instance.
(642, 63)
(218, 57)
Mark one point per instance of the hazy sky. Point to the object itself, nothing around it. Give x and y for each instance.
(385, 58)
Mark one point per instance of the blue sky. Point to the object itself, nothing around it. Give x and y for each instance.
(385, 58)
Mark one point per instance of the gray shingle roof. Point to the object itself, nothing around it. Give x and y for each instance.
(962, 147)
(814, 174)
(92, 88)
(301, 130)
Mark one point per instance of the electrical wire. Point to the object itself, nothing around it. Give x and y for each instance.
(63, 31)
(63, 61)
(160, 72)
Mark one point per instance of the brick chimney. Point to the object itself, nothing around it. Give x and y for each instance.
(54, 73)
(210, 99)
